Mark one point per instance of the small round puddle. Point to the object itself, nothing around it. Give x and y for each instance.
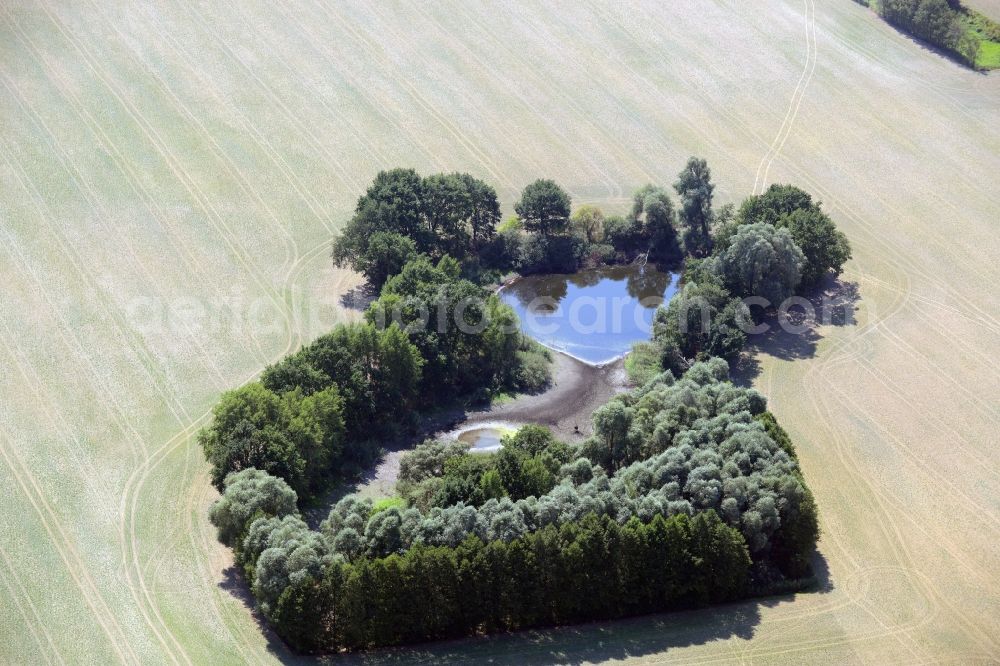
(482, 439)
(485, 438)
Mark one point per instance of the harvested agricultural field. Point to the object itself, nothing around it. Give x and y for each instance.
(171, 175)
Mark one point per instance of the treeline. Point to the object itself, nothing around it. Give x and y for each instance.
(947, 24)
(317, 414)
(589, 570)
(403, 214)
(323, 412)
(776, 245)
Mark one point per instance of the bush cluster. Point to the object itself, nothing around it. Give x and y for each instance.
(323, 411)
(776, 245)
(688, 493)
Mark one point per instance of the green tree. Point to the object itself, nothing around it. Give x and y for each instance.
(651, 206)
(484, 210)
(396, 372)
(531, 438)
(447, 208)
(701, 321)
(779, 200)
(611, 427)
(491, 486)
(720, 560)
(384, 256)
(248, 494)
(760, 261)
(824, 247)
(536, 478)
(544, 207)
(316, 428)
(392, 203)
(587, 222)
(624, 234)
(694, 186)
(249, 429)
(786, 206)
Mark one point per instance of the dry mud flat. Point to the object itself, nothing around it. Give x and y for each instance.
(156, 152)
(566, 406)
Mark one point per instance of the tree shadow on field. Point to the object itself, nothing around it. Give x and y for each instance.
(946, 53)
(360, 297)
(629, 638)
(236, 585)
(794, 334)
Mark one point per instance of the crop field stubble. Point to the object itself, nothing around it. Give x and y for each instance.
(161, 159)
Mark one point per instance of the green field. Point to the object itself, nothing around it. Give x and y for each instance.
(165, 157)
(989, 55)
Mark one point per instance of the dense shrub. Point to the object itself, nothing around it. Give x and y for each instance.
(249, 494)
(761, 260)
(643, 363)
(587, 222)
(504, 250)
(624, 234)
(453, 214)
(551, 254)
(428, 459)
(533, 369)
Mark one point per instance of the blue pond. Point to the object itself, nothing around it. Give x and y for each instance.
(595, 315)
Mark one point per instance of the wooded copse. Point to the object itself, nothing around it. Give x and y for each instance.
(688, 492)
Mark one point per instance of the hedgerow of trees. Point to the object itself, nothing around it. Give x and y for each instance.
(947, 24)
(687, 494)
(403, 214)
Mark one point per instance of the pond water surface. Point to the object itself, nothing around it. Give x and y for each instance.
(595, 315)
